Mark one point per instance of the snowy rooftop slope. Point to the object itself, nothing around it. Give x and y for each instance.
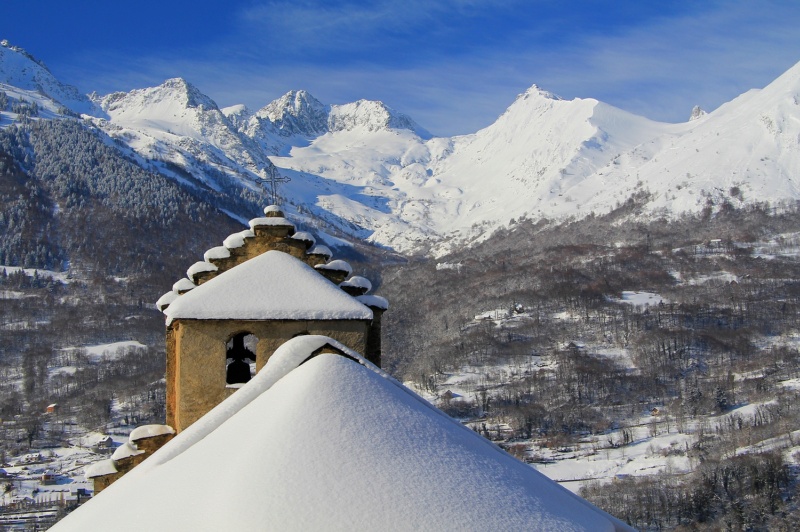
(273, 285)
(340, 447)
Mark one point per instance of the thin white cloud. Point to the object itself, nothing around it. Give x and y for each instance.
(659, 68)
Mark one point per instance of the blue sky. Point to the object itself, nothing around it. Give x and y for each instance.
(452, 65)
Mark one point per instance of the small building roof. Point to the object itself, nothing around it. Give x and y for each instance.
(271, 286)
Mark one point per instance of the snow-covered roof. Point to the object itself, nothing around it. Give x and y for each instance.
(150, 431)
(271, 286)
(341, 446)
(272, 209)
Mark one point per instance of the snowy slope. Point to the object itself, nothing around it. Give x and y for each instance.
(176, 123)
(333, 444)
(747, 150)
(26, 80)
(20, 70)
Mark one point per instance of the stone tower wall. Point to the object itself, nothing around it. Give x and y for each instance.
(199, 349)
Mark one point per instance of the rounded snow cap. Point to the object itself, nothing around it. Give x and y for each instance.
(236, 240)
(359, 285)
(337, 265)
(165, 300)
(200, 267)
(183, 286)
(273, 211)
(303, 236)
(217, 253)
(321, 250)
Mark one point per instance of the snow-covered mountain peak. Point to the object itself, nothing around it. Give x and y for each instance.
(21, 70)
(697, 113)
(370, 115)
(176, 93)
(5, 44)
(296, 113)
(534, 91)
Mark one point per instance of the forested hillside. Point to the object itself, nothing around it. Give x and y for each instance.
(100, 240)
(541, 339)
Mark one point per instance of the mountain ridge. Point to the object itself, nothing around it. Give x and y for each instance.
(375, 174)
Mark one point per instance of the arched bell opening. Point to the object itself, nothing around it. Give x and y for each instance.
(240, 358)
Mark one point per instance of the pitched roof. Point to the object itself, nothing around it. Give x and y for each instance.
(333, 444)
(271, 286)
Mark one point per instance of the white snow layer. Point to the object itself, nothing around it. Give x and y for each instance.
(98, 469)
(199, 267)
(272, 221)
(305, 237)
(236, 240)
(338, 265)
(340, 446)
(219, 252)
(150, 431)
(374, 301)
(273, 285)
(321, 250)
(358, 282)
(166, 300)
(183, 285)
(125, 450)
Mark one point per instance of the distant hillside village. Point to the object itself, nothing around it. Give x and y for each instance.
(275, 397)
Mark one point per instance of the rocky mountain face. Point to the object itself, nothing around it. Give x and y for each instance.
(372, 173)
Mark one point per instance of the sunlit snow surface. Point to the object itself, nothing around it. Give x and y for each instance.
(333, 445)
(273, 285)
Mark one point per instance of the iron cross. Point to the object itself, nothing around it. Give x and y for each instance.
(271, 181)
